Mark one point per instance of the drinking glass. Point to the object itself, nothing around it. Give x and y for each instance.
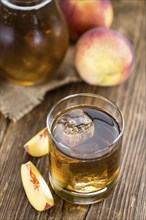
(83, 175)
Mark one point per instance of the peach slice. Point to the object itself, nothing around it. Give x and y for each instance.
(36, 189)
(38, 145)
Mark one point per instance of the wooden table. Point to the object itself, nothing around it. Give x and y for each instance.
(127, 200)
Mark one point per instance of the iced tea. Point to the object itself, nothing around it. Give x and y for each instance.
(83, 161)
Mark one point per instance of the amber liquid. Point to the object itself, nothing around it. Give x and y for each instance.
(32, 43)
(87, 167)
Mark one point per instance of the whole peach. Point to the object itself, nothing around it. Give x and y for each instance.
(103, 57)
(82, 15)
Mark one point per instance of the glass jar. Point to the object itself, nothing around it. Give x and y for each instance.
(33, 40)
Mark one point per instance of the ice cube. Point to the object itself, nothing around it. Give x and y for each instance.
(73, 128)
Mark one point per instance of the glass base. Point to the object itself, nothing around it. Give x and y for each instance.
(24, 83)
(84, 198)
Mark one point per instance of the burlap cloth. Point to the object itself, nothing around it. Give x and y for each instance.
(16, 101)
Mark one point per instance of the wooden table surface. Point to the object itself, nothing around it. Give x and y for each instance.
(127, 202)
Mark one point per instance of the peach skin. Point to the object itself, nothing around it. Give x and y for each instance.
(103, 57)
(84, 15)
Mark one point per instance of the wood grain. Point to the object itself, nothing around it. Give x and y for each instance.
(3, 127)
(127, 202)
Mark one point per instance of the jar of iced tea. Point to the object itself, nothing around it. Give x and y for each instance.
(33, 40)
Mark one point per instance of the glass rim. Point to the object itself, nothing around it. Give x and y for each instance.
(25, 7)
(92, 95)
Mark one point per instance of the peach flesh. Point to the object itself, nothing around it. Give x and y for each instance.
(38, 145)
(36, 189)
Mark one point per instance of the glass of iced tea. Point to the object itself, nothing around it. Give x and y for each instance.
(33, 40)
(86, 135)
